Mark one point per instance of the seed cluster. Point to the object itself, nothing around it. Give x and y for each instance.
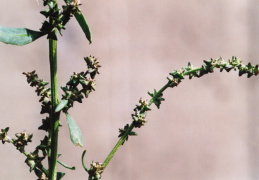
(176, 78)
(59, 18)
(95, 171)
(72, 91)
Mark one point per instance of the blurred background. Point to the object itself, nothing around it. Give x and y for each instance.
(207, 128)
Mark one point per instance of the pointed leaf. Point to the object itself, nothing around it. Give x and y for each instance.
(60, 175)
(18, 36)
(132, 133)
(61, 105)
(83, 163)
(66, 166)
(82, 22)
(68, 1)
(38, 172)
(75, 133)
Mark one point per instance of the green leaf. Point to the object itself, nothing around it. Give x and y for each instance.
(18, 36)
(61, 105)
(75, 133)
(158, 99)
(68, 1)
(66, 166)
(60, 175)
(82, 22)
(132, 133)
(38, 172)
(83, 163)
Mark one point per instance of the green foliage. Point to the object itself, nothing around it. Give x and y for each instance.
(60, 175)
(174, 80)
(82, 22)
(62, 104)
(95, 171)
(157, 98)
(66, 166)
(22, 140)
(45, 97)
(3, 135)
(73, 93)
(124, 131)
(59, 18)
(79, 86)
(18, 36)
(140, 113)
(74, 130)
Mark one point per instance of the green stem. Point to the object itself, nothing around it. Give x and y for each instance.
(192, 71)
(54, 124)
(159, 93)
(123, 138)
(116, 147)
(219, 63)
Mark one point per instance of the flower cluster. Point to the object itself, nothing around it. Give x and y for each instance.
(21, 141)
(176, 78)
(140, 113)
(34, 81)
(45, 93)
(71, 93)
(33, 160)
(3, 136)
(69, 10)
(138, 120)
(95, 171)
(58, 17)
(178, 75)
(74, 93)
(209, 66)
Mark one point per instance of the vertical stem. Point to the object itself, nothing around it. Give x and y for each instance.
(54, 124)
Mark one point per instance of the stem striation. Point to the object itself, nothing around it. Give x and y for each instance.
(54, 124)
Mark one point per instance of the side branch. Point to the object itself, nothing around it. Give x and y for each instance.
(176, 78)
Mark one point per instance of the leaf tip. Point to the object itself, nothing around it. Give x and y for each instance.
(81, 145)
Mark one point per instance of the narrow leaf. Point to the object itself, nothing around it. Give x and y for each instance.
(83, 163)
(132, 133)
(68, 1)
(18, 36)
(61, 105)
(75, 133)
(60, 175)
(82, 22)
(66, 166)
